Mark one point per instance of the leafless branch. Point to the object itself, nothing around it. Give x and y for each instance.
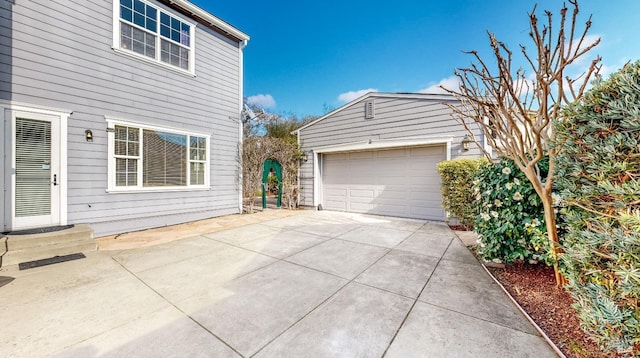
(515, 112)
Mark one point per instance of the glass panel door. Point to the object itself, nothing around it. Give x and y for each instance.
(33, 168)
(36, 180)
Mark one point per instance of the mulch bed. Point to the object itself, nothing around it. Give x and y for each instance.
(534, 288)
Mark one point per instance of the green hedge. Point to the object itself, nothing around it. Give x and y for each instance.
(509, 215)
(599, 173)
(457, 188)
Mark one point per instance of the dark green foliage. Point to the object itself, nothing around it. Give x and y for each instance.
(599, 174)
(509, 215)
(282, 128)
(457, 188)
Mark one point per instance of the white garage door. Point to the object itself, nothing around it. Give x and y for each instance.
(400, 182)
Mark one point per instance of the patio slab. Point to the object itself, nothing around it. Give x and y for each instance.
(345, 326)
(432, 331)
(139, 260)
(157, 334)
(378, 236)
(243, 234)
(338, 257)
(59, 306)
(275, 285)
(284, 244)
(459, 253)
(401, 272)
(199, 275)
(424, 243)
(467, 289)
(252, 310)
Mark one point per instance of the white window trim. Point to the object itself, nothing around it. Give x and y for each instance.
(192, 36)
(111, 163)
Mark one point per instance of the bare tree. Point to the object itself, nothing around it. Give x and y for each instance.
(515, 111)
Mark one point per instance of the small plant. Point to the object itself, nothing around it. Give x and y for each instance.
(272, 184)
(457, 188)
(509, 216)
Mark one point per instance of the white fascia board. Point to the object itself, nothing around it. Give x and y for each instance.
(214, 21)
(383, 144)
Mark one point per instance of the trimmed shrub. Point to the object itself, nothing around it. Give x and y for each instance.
(509, 215)
(599, 174)
(457, 188)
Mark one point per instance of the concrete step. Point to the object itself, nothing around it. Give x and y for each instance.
(76, 233)
(15, 249)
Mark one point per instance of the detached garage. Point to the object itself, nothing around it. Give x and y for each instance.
(379, 155)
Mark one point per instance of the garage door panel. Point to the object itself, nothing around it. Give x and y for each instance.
(424, 212)
(423, 180)
(400, 182)
(390, 168)
(336, 174)
(388, 182)
(341, 192)
(362, 193)
(418, 162)
(392, 153)
(424, 196)
(360, 207)
(427, 151)
(398, 193)
(336, 205)
(360, 155)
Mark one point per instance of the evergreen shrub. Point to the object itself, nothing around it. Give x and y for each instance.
(509, 215)
(457, 188)
(599, 174)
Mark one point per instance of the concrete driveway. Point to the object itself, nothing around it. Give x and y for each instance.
(316, 284)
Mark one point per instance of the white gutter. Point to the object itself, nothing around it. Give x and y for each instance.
(212, 20)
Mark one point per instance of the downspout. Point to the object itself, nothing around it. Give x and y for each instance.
(299, 166)
(241, 47)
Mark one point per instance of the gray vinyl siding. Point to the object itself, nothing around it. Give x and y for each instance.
(60, 55)
(396, 117)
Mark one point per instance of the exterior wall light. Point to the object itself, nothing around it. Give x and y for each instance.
(465, 142)
(304, 157)
(88, 135)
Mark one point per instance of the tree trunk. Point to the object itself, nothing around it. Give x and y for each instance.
(552, 234)
(549, 218)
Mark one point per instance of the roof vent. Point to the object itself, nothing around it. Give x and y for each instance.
(369, 109)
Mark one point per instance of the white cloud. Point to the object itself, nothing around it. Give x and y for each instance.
(451, 83)
(351, 95)
(262, 100)
(606, 70)
(586, 42)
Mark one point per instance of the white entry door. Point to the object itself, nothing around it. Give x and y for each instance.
(36, 178)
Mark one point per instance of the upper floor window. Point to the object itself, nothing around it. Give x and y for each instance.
(153, 33)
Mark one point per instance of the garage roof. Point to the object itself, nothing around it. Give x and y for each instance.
(441, 97)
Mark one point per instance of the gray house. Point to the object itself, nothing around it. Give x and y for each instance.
(379, 155)
(120, 114)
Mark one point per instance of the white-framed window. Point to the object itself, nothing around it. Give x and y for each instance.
(152, 33)
(150, 158)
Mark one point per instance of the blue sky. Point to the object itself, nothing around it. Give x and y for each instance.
(304, 57)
